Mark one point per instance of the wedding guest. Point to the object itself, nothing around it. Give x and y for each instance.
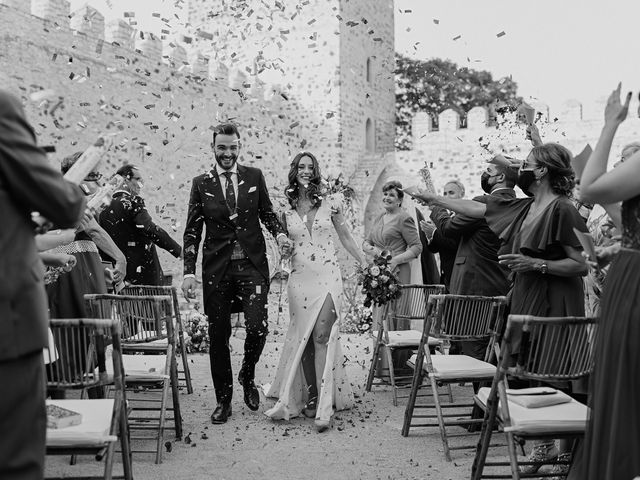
(314, 289)
(612, 440)
(394, 231)
(538, 246)
(129, 224)
(66, 295)
(27, 184)
(446, 247)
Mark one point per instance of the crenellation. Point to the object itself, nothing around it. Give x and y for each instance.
(120, 33)
(448, 120)
(149, 45)
(89, 21)
(175, 55)
(478, 117)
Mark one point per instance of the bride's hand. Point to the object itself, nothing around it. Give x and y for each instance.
(615, 112)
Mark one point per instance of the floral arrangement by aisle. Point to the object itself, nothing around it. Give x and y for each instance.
(379, 284)
(358, 319)
(196, 329)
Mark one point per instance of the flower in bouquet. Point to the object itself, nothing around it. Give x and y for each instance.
(197, 330)
(379, 284)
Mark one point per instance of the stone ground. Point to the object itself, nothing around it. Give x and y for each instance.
(365, 442)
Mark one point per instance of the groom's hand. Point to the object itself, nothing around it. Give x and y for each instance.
(189, 288)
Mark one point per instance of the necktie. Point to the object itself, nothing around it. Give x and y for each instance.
(230, 193)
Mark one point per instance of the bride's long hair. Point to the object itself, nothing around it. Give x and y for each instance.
(292, 191)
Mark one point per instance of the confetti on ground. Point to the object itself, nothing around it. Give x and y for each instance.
(501, 34)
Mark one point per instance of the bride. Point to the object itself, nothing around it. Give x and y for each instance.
(311, 377)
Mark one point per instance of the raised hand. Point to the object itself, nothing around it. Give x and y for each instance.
(533, 134)
(421, 196)
(615, 112)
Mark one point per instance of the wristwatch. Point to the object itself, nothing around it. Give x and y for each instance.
(544, 268)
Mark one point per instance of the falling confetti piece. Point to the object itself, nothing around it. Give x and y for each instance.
(436, 21)
(501, 34)
(457, 38)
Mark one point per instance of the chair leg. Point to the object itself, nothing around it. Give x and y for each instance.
(392, 374)
(488, 423)
(449, 392)
(108, 461)
(513, 457)
(125, 446)
(177, 414)
(415, 387)
(374, 365)
(443, 431)
(163, 415)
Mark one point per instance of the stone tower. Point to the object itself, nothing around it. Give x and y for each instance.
(333, 58)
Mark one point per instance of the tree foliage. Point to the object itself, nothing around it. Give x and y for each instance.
(435, 85)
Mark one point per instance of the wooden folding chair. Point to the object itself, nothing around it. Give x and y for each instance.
(79, 348)
(148, 345)
(453, 319)
(551, 350)
(396, 332)
(171, 292)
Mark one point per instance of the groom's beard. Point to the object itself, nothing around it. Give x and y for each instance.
(226, 161)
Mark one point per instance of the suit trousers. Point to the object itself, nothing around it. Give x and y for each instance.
(23, 418)
(241, 281)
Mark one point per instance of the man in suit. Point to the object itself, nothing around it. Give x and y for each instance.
(129, 224)
(230, 201)
(476, 269)
(27, 184)
(445, 246)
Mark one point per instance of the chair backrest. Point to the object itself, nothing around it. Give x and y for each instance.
(410, 306)
(77, 350)
(551, 348)
(465, 317)
(144, 318)
(164, 290)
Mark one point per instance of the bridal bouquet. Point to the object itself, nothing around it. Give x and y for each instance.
(379, 284)
(197, 329)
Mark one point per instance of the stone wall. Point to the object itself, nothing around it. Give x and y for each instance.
(79, 84)
(461, 153)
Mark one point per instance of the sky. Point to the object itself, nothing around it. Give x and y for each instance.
(555, 50)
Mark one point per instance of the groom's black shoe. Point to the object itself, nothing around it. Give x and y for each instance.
(221, 413)
(251, 394)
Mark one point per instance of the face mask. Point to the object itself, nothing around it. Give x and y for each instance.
(484, 182)
(525, 180)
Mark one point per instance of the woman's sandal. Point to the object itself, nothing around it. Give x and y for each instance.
(310, 408)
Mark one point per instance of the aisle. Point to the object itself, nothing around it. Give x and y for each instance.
(364, 443)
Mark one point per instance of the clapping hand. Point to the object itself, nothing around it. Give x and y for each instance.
(428, 228)
(615, 112)
(533, 134)
(604, 256)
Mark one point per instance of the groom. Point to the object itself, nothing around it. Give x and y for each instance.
(230, 201)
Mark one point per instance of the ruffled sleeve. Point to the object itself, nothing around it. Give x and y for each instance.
(504, 215)
(554, 227)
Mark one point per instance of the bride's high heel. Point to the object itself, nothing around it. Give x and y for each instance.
(310, 408)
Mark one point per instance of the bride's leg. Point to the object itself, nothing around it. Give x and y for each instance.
(309, 369)
(321, 332)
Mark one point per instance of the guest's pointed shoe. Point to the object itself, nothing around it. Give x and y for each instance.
(323, 425)
(221, 414)
(311, 407)
(251, 393)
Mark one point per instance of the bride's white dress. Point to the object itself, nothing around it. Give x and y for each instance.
(315, 274)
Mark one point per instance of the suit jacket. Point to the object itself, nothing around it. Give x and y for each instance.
(208, 207)
(28, 183)
(129, 224)
(476, 270)
(430, 273)
(447, 248)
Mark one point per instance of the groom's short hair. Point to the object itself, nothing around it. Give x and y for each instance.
(225, 129)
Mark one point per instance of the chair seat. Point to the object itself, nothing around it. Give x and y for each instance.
(143, 335)
(142, 367)
(457, 366)
(570, 417)
(407, 338)
(92, 431)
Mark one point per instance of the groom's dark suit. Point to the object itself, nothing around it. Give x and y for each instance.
(226, 277)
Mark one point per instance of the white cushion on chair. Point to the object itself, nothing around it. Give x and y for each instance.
(564, 417)
(95, 426)
(407, 338)
(457, 366)
(142, 367)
